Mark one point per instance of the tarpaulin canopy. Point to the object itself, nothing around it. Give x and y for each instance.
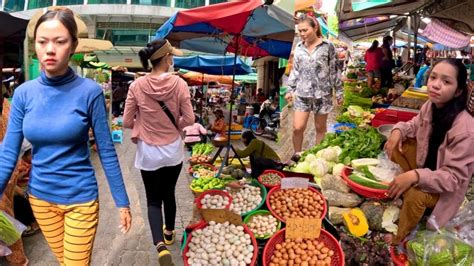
(373, 29)
(345, 11)
(212, 64)
(457, 14)
(246, 27)
(441, 33)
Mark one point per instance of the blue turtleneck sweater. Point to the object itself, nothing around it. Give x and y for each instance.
(55, 115)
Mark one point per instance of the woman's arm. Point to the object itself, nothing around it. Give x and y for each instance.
(250, 149)
(294, 75)
(409, 129)
(186, 117)
(334, 78)
(106, 150)
(130, 109)
(202, 130)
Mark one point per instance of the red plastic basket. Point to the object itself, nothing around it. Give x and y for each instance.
(362, 190)
(396, 259)
(280, 174)
(210, 166)
(336, 260)
(246, 229)
(275, 189)
(213, 192)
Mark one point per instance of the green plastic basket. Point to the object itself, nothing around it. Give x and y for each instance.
(262, 212)
(263, 193)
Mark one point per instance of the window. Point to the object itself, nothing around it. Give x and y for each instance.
(107, 1)
(128, 37)
(216, 1)
(70, 2)
(189, 3)
(32, 4)
(152, 2)
(14, 5)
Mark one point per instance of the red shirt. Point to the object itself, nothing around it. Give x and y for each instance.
(373, 59)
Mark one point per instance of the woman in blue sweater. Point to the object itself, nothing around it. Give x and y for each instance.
(54, 112)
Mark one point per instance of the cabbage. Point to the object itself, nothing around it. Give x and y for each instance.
(330, 166)
(338, 150)
(337, 169)
(302, 167)
(310, 157)
(355, 110)
(328, 154)
(318, 167)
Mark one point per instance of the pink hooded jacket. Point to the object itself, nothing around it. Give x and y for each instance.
(143, 113)
(455, 163)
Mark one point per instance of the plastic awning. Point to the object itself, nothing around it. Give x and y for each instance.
(375, 29)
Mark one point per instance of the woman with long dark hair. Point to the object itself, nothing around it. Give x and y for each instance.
(387, 62)
(444, 164)
(157, 108)
(373, 61)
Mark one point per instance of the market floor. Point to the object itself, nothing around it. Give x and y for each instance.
(134, 248)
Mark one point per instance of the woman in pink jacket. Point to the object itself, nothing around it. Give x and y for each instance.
(157, 108)
(444, 134)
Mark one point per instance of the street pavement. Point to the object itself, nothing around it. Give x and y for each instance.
(134, 248)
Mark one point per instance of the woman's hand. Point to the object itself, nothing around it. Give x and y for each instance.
(402, 183)
(125, 220)
(394, 142)
(289, 97)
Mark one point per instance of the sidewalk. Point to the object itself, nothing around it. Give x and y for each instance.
(134, 248)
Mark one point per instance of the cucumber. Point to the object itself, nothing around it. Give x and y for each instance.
(366, 182)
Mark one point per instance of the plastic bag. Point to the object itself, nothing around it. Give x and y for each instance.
(10, 229)
(439, 248)
(462, 225)
(386, 170)
(4, 250)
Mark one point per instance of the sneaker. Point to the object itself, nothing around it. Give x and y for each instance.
(169, 239)
(164, 255)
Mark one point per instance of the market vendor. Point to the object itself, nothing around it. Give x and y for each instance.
(262, 156)
(218, 126)
(444, 152)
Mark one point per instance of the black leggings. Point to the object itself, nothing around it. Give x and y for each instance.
(160, 188)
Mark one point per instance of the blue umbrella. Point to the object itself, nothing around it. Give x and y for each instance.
(213, 64)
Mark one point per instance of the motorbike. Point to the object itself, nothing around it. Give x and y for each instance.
(267, 122)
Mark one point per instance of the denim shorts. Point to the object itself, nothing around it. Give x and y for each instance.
(320, 106)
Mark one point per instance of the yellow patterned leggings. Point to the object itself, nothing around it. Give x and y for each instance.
(68, 229)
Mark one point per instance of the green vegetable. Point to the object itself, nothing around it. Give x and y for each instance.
(351, 98)
(355, 143)
(365, 170)
(8, 233)
(366, 182)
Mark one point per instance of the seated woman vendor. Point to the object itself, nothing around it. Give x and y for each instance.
(262, 156)
(218, 127)
(444, 135)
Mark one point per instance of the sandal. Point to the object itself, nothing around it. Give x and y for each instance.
(164, 255)
(169, 239)
(29, 231)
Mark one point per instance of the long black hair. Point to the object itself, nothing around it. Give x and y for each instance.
(458, 104)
